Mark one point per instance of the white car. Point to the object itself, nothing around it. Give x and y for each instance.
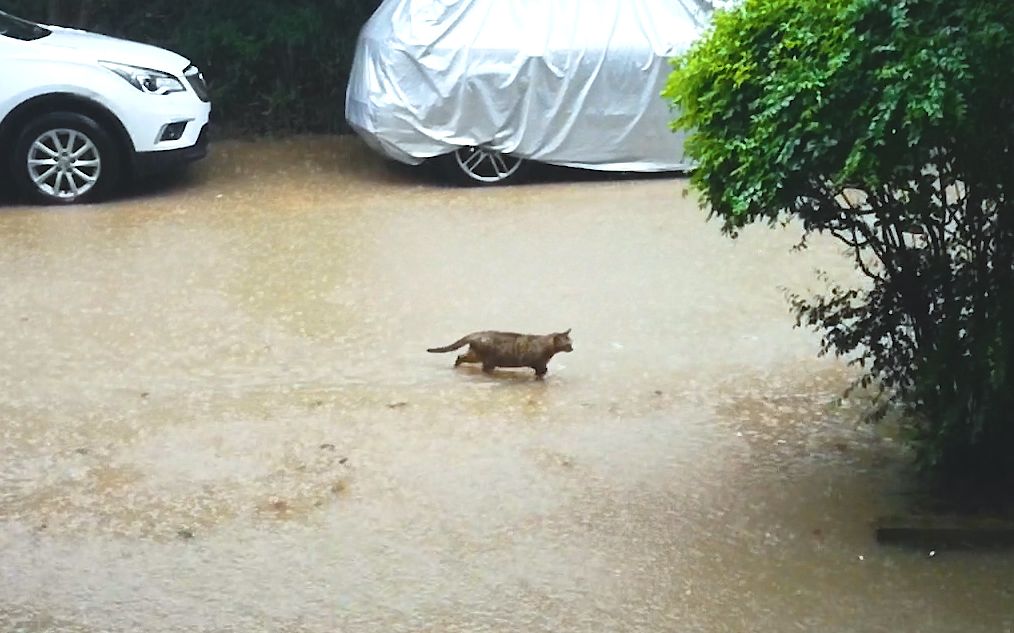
(80, 112)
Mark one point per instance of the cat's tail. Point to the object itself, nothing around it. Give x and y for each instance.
(450, 348)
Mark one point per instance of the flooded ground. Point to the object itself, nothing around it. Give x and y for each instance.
(216, 414)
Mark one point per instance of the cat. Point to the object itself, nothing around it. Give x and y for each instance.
(509, 349)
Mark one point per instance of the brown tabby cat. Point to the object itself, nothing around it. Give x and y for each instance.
(508, 349)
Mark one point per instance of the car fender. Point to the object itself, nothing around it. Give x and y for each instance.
(80, 84)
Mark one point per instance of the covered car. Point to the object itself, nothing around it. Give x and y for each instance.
(488, 84)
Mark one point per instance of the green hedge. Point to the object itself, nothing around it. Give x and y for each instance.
(888, 125)
(273, 67)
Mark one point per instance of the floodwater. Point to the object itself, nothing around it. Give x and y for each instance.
(217, 414)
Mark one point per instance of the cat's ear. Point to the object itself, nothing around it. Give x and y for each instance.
(567, 333)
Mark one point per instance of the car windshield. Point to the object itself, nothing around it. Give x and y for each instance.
(19, 29)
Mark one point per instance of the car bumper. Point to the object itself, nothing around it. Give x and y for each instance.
(150, 163)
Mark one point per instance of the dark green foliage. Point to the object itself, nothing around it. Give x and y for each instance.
(890, 125)
(272, 66)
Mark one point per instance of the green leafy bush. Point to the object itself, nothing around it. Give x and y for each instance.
(272, 66)
(890, 125)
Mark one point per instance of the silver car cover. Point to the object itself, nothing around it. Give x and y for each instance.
(568, 82)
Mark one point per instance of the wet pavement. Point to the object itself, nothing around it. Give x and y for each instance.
(217, 414)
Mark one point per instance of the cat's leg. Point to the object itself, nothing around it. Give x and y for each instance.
(488, 366)
(540, 371)
(469, 357)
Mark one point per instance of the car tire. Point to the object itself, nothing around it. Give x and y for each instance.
(478, 166)
(65, 158)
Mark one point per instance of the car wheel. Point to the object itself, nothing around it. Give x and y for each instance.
(482, 166)
(63, 158)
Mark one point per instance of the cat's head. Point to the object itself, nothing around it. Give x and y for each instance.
(562, 342)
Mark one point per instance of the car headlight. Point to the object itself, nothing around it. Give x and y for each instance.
(147, 80)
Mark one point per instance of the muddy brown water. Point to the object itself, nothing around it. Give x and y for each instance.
(216, 415)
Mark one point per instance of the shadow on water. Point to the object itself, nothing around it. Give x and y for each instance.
(172, 182)
(193, 177)
(537, 174)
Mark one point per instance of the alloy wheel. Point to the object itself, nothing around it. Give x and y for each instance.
(486, 165)
(64, 164)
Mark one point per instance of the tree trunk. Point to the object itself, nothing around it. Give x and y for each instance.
(53, 11)
(84, 14)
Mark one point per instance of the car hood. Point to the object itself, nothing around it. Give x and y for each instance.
(111, 49)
